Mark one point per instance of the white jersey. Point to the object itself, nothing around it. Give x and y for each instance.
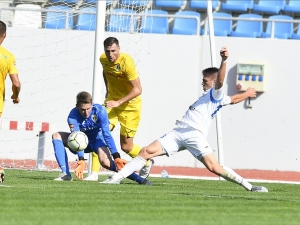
(200, 114)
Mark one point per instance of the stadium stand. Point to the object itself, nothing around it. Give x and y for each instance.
(202, 4)
(121, 21)
(86, 21)
(269, 6)
(170, 5)
(293, 6)
(252, 29)
(186, 26)
(222, 27)
(135, 3)
(157, 25)
(237, 5)
(281, 30)
(27, 19)
(59, 20)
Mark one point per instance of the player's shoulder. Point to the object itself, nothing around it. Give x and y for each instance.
(103, 58)
(125, 57)
(97, 107)
(5, 52)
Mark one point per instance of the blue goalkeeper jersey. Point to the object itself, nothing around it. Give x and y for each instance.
(96, 126)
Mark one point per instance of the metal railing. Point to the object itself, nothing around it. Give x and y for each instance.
(137, 15)
(273, 21)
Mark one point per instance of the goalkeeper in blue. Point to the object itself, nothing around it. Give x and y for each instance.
(91, 119)
(192, 129)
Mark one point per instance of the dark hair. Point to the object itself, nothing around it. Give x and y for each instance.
(2, 28)
(209, 71)
(110, 41)
(83, 98)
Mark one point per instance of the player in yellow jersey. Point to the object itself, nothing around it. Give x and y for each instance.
(7, 66)
(123, 101)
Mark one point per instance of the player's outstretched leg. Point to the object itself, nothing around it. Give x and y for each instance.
(228, 174)
(135, 164)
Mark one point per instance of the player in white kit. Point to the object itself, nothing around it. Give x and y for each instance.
(192, 129)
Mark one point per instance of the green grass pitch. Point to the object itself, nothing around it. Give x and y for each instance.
(32, 197)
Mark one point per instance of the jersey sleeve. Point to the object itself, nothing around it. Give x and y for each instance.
(102, 115)
(226, 100)
(12, 65)
(72, 120)
(218, 94)
(130, 69)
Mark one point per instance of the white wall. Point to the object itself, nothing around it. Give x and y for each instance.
(55, 65)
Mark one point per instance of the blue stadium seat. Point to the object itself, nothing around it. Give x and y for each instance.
(135, 3)
(169, 4)
(238, 5)
(297, 35)
(292, 7)
(251, 29)
(86, 21)
(57, 20)
(186, 26)
(269, 6)
(281, 30)
(157, 25)
(122, 23)
(222, 27)
(202, 4)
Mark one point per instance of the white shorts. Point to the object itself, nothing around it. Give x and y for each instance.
(185, 138)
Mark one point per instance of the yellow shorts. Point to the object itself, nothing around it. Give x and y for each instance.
(129, 120)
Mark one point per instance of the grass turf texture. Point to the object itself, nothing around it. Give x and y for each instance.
(32, 197)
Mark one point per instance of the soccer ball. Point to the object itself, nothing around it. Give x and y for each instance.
(78, 141)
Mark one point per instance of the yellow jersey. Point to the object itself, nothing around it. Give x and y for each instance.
(118, 76)
(7, 66)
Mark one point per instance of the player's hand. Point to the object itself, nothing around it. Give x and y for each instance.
(112, 104)
(79, 169)
(120, 163)
(251, 92)
(224, 53)
(2, 174)
(16, 100)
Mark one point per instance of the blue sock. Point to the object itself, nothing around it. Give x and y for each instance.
(133, 176)
(61, 156)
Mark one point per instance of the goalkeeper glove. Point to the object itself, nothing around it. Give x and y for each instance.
(80, 168)
(120, 163)
(2, 174)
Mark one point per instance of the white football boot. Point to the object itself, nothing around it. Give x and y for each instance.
(145, 171)
(63, 177)
(92, 177)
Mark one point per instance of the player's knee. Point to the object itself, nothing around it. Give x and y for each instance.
(56, 136)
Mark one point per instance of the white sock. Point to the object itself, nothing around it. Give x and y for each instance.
(230, 175)
(135, 164)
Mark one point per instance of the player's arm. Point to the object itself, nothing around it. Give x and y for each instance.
(16, 87)
(134, 92)
(222, 70)
(74, 126)
(102, 115)
(105, 82)
(249, 93)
